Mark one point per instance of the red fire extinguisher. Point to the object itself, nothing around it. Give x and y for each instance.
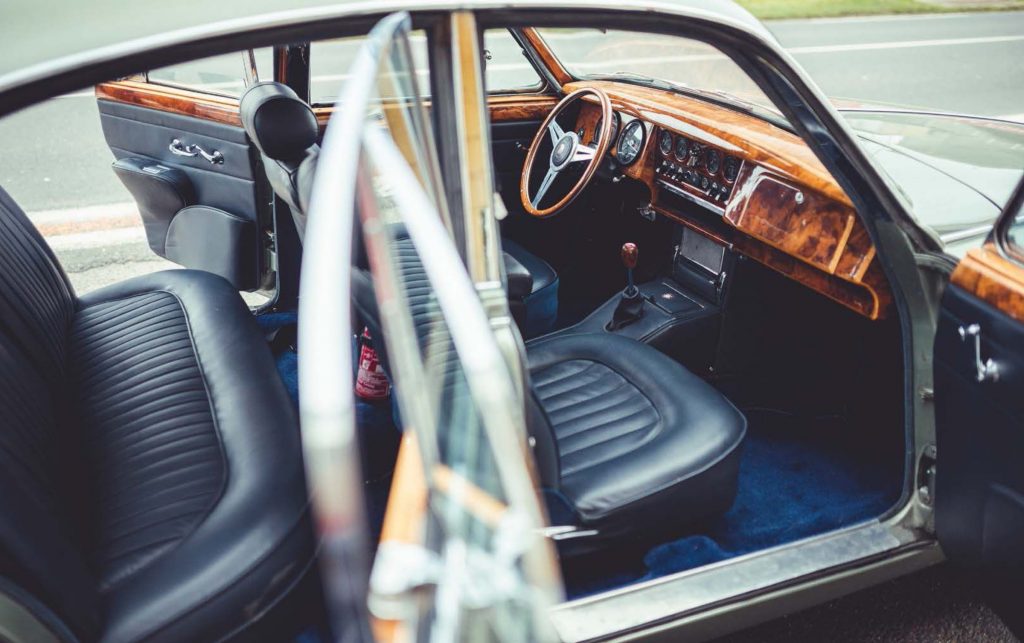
(371, 381)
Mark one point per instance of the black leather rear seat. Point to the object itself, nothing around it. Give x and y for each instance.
(151, 480)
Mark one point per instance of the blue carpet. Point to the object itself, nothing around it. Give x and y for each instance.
(797, 479)
(286, 359)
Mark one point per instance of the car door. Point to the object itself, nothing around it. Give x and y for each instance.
(180, 150)
(979, 394)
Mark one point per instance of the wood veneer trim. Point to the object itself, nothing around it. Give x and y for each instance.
(992, 278)
(174, 100)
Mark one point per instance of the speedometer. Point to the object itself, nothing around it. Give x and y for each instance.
(631, 141)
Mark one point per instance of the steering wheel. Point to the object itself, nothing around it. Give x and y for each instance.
(567, 149)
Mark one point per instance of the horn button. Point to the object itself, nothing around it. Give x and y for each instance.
(563, 150)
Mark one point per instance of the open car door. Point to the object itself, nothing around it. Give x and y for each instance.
(181, 151)
(979, 393)
(462, 555)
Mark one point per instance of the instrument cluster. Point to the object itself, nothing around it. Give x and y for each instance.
(697, 166)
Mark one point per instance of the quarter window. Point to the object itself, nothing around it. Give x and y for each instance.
(507, 70)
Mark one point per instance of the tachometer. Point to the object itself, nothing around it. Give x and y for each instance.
(665, 143)
(631, 141)
(597, 128)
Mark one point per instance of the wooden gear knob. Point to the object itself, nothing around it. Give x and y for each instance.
(629, 254)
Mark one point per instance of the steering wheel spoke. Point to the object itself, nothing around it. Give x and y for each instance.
(583, 153)
(549, 178)
(555, 131)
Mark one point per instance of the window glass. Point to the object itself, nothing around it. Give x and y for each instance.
(329, 60)
(507, 68)
(215, 75)
(656, 59)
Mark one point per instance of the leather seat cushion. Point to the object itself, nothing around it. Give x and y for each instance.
(199, 507)
(639, 438)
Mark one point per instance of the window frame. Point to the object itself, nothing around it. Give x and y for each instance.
(1000, 236)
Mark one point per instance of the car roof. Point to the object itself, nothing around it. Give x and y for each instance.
(37, 39)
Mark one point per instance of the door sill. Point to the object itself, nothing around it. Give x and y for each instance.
(644, 606)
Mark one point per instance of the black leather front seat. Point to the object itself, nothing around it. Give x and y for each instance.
(151, 479)
(284, 130)
(637, 444)
(627, 441)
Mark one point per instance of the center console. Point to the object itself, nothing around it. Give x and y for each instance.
(679, 313)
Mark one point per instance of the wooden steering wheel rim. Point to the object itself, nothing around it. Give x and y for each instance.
(603, 144)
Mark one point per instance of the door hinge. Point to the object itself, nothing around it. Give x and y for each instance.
(926, 475)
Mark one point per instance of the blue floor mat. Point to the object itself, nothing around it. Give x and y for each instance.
(797, 479)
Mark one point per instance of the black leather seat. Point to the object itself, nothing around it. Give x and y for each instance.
(151, 479)
(638, 444)
(627, 441)
(284, 130)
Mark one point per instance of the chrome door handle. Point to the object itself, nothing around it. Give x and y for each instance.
(987, 371)
(181, 149)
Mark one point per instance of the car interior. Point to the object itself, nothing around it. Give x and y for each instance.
(714, 363)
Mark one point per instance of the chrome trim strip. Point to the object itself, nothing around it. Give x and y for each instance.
(642, 605)
(968, 233)
(925, 112)
(720, 211)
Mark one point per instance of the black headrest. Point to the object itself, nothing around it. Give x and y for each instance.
(280, 123)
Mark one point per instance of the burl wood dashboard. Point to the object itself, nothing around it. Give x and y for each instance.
(775, 201)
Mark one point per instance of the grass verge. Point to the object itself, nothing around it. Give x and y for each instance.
(779, 9)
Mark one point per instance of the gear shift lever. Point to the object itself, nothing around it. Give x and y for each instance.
(631, 303)
(629, 254)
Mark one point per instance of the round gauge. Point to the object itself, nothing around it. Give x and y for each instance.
(681, 148)
(731, 168)
(600, 121)
(631, 141)
(712, 160)
(665, 143)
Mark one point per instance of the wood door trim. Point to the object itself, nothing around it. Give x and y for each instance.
(992, 278)
(173, 100)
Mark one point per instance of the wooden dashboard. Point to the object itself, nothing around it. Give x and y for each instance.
(778, 203)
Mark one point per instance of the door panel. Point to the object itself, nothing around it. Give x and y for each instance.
(509, 141)
(979, 380)
(202, 209)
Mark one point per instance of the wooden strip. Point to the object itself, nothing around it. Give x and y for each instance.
(173, 100)
(992, 278)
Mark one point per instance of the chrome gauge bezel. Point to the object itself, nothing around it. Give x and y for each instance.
(626, 129)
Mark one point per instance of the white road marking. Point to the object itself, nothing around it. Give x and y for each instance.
(97, 239)
(87, 213)
(905, 44)
(891, 18)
